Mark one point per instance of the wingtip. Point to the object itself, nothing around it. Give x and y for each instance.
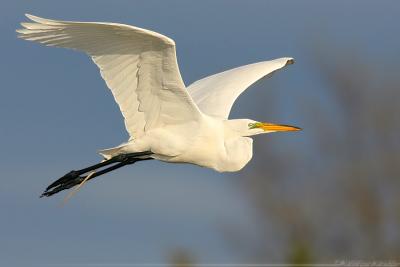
(36, 18)
(23, 25)
(289, 61)
(29, 16)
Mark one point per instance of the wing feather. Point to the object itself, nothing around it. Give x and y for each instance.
(139, 66)
(216, 94)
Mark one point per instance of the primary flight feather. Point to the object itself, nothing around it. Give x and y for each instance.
(165, 120)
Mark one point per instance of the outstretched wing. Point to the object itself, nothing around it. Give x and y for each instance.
(215, 94)
(139, 66)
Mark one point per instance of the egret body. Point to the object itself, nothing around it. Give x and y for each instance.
(165, 119)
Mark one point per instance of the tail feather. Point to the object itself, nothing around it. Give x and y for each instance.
(110, 152)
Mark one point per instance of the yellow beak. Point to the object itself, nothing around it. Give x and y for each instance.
(270, 127)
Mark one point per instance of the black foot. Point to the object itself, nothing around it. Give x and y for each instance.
(68, 177)
(74, 178)
(66, 182)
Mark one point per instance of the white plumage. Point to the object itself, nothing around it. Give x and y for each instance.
(215, 94)
(175, 123)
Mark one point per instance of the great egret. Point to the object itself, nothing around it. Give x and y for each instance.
(165, 119)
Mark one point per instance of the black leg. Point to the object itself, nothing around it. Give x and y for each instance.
(75, 174)
(74, 177)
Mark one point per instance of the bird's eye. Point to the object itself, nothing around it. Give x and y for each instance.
(251, 125)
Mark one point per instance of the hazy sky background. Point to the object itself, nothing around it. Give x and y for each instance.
(56, 111)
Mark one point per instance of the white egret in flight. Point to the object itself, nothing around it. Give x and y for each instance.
(165, 119)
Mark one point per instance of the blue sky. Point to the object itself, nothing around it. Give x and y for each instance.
(56, 113)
